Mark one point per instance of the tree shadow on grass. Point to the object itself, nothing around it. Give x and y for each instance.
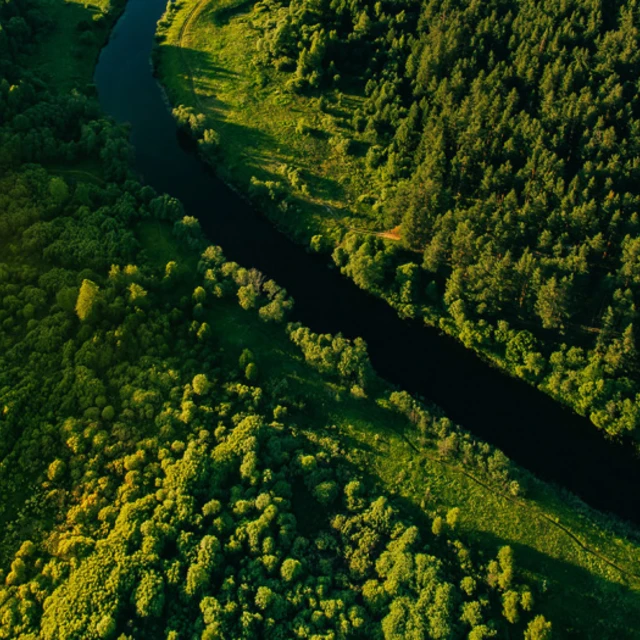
(248, 151)
(201, 74)
(201, 62)
(323, 187)
(592, 600)
(65, 54)
(602, 608)
(590, 606)
(579, 603)
(571, 592)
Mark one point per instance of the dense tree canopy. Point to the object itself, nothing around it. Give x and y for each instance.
(179, 492)
(157, 480)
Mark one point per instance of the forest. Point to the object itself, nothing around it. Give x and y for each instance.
(178, 460)
(473, 163)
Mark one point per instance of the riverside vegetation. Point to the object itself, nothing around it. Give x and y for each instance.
(176, 461)
(473, 163)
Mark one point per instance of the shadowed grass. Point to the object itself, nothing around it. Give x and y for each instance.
(206, 60)
(66, 56)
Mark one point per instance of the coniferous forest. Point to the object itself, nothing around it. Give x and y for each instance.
(180, 460)
(474, 163)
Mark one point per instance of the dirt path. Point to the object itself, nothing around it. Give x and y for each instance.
(188, 22)
(531, 511)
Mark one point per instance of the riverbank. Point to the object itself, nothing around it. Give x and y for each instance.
(304, 163)
(66, 56)
(528, 426)
(267, 136)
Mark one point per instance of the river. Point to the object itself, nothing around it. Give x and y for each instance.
(531, 428)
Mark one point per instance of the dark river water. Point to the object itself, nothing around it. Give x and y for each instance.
(528, 426)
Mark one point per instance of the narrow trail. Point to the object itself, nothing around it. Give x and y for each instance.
(92, 177)
(391, 234)
(387, 235)
(532, 511)
(193, 14)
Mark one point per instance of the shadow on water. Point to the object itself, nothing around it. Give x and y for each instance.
(527, 425)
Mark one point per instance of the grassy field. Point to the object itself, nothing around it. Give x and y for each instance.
(66, 56)
(562, 549)
(267, 132)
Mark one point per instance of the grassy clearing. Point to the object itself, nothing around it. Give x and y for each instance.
(584, 595)
(66, 56)
(90, 172)
(160, 246)
(266, 132)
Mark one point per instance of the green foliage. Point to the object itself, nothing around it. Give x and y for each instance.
(247, 296)
(538, 629)
(290, 569)
(334, 354)
(148, 491)
(59, 190)
(251, 372)
(200, 384)
(325, 492)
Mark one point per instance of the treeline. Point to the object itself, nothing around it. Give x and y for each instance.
(502, 138)
(152, 487)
